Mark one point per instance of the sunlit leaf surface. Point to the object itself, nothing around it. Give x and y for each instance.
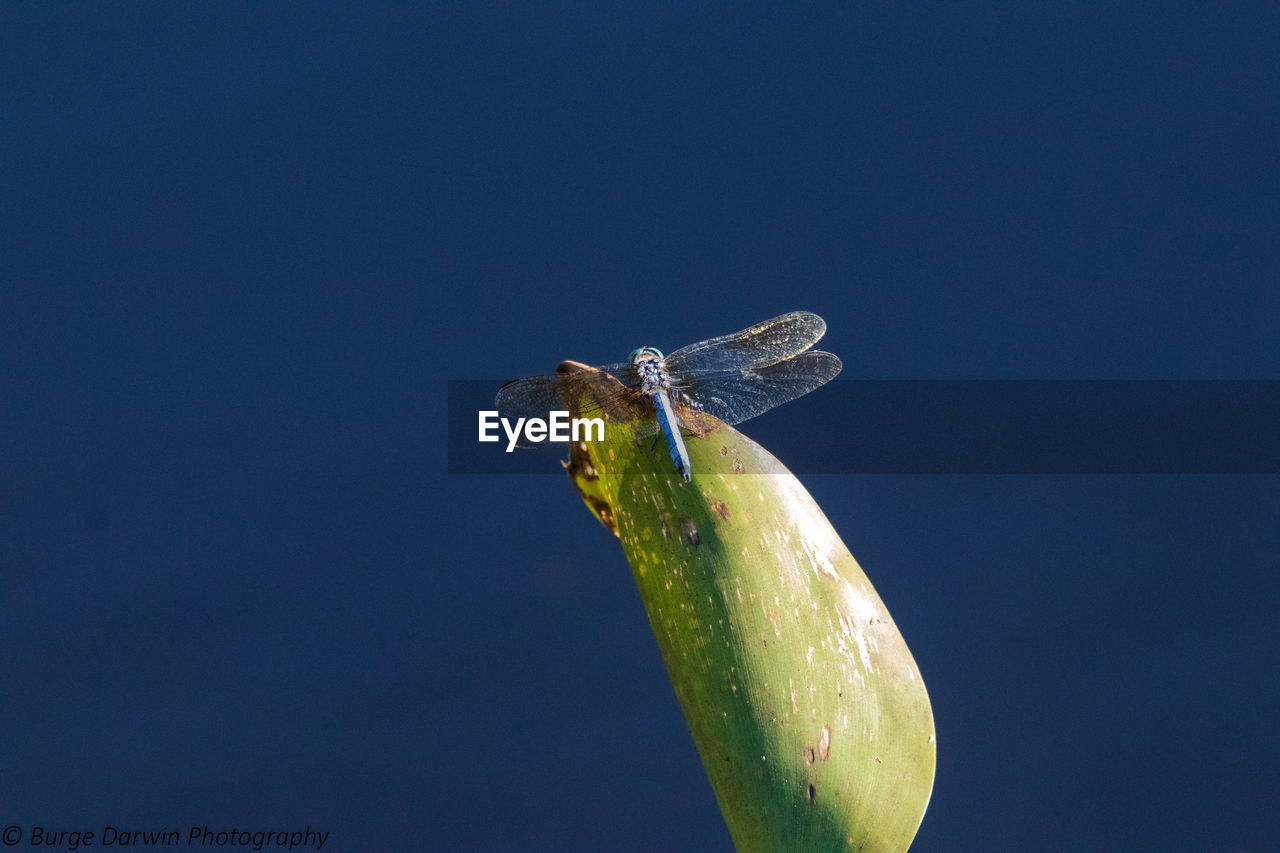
(806, 706)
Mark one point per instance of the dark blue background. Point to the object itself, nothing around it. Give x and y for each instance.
(244, 248)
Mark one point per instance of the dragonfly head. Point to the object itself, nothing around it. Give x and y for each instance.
(645, 354)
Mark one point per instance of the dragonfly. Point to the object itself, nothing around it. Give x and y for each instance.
(732, 377)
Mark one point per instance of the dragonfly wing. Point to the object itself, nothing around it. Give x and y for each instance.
(736, 396)
(530, 397)
(762, 344)
(584, 391)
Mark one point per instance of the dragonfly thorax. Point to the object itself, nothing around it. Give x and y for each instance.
(649, 366)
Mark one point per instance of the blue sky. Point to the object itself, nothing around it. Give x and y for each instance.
(243, 250)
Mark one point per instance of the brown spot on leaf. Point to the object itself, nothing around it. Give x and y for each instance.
(719, 507)
(812, 793)
(581, 468)
(809, 755)
(691, 534)
(824, 743)
(604, 512)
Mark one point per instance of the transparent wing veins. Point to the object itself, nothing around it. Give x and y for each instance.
(739, 395)
(760, 345)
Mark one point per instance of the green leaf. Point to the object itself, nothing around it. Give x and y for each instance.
(805, 704)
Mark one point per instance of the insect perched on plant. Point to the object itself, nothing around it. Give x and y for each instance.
(733, 377)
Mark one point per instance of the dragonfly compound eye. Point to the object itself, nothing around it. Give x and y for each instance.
(645, 354)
